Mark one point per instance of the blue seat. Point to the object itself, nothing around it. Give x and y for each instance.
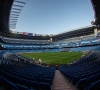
(8, 85)
(34, 85)
(48, 81)
(70, 77)
(84, 76)
(32, 78)
(45, 86)
(97, 77)
(29, 78)
(21, 87)
(3, 81)
(94, 86)
(11, 78)
(17, 80)
(81, 83)
(11, 86)
(39, 80)
(25, 82)
(75, 79)
(90, 80)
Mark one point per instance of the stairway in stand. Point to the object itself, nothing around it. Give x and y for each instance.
(61, 83)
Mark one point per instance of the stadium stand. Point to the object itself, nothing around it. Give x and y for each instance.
(23, 41)
(17, 73)
(84, 73)
(22, 74)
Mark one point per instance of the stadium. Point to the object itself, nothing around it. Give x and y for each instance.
(65, 61)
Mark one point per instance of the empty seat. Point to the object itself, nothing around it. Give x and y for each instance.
(11, 78)
(48, 81)
(21, 87)
(97, 77)
(25, 82)
(75, 79)
(45, 86)
(81, 83)
(94, 86)
(3, 81)
(90, 80)
(34, 85)
(7, 85)
(11, 86)
(17, 80)
(39, 80)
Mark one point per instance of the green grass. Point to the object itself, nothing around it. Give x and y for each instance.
(55, 57)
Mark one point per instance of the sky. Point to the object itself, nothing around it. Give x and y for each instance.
(54, 16)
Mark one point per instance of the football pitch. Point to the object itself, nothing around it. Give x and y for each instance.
(55, 57)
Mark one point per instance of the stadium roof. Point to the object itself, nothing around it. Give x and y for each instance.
(16, 9)
(96, 8)
(5, 10)
(75, 33)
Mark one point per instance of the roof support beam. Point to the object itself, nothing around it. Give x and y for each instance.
(17, 5)
(13, 17)
(12, 21)
(20, 2)
(14, 14)
(16, 9)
